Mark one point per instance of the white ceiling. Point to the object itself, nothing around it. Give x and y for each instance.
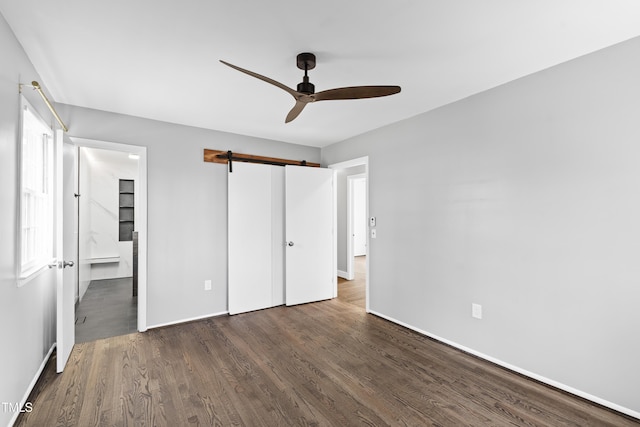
(159, 58)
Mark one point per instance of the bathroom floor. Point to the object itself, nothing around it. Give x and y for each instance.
(107, 309)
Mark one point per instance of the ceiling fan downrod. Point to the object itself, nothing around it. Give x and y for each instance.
(306, 61)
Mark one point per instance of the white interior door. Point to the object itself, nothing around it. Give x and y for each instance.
(256, 237)
(310, 218)
(359, 217)
(66, 249)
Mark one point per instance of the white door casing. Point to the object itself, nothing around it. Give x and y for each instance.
(350, 267)
(141, 214)
(310, 234)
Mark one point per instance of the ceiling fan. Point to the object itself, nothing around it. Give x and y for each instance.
(306, 90)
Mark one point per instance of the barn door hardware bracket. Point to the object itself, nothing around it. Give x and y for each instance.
(219, 156)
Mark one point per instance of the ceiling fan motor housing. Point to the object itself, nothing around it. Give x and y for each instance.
(306, 87)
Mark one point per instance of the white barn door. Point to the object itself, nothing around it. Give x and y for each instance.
(255, 237)
(263, 202)
(310, 218)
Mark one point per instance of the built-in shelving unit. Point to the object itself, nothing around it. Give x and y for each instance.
(126, 222)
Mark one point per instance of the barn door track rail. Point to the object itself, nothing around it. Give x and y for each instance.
(228, 157)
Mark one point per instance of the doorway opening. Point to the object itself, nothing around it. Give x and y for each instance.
(111, 292)
(353, 234)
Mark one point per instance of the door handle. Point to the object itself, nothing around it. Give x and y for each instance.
(61, 264)
(290, 243)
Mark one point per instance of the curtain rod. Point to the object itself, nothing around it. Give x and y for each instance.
(36, 86)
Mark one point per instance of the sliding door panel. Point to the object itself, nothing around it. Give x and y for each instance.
(277, 235)
(250, 237)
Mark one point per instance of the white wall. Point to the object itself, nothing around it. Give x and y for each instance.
(27, 314)
(524, 199)
(187, 205)
(342, 212)
(84, 223)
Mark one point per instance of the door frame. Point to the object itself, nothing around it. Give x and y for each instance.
(141, 223)
(359, 161)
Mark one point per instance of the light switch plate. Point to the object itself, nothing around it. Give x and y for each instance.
(373, 233)
(476, 311)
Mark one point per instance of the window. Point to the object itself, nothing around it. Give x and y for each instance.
(36, 192)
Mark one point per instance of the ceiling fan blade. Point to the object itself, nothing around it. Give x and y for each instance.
(263, 78)
(355, 92)
(295, 111)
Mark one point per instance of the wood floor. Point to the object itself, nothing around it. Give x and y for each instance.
(321, 364)
(353, 291)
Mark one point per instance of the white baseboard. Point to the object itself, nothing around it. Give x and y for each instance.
(176, 322)
(23, 401)
(511, 367)
(343, 274)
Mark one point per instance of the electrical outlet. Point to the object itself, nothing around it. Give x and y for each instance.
(476, 311)
(207, 285)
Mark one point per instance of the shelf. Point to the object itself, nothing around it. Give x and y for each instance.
(126, 186)
(104, 260)
(126, 210)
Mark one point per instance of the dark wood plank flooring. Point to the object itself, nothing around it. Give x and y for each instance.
(106, 310)
(353, 291)
(321, 364)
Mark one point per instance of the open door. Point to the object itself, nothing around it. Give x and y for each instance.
(310, 234)
(66, 249)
